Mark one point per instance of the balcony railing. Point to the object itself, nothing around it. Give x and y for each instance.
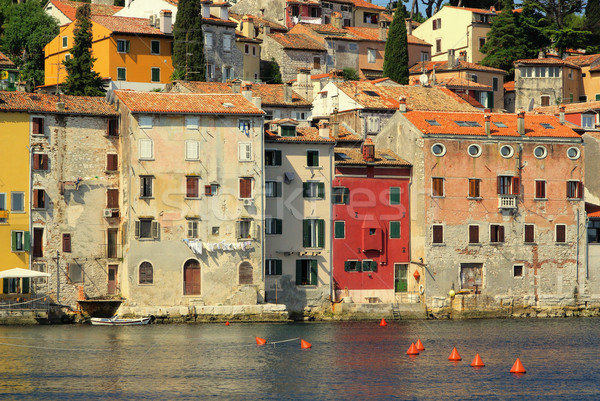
(507, 202)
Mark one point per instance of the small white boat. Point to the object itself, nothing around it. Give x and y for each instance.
(116, 321)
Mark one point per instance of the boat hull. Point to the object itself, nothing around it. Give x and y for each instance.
(99, 321)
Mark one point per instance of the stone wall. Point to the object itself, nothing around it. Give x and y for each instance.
(220, 58)
(291, 60)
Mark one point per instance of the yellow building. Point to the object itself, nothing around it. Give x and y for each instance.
(134, 53)
(14, 189)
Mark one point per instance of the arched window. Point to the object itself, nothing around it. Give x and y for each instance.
(245, 273)
(146, 273)
(191, 277)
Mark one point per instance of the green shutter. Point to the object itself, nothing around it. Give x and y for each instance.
(299, 272)
(321, 190)
(5, 286)
(25, 285)
(305, 189)
(278, 189)
(313, 272)
(373, 266)
(346, 192)
(278, 267)
(321, 233)
(339, 229)
(315, 157)
(278, 157)
(306, 233)
(394, 229)
(13, 243)
(490, 100)
(26, 241)
(278, 226)
(346, 266)
(394, 196)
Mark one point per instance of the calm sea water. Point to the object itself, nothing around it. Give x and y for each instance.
(348, 361)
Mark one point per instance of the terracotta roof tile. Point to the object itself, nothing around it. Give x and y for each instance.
(127, 25)
(366, 4)
(197, 103)
(472, 101)
(570, 108)
(353, 157)
(546, 61)
(475, 10)
(69, 8)
(38, 103)
(297, 41)
(443, 66)
(259, 20)
(583, 61)
(462, 83)
(447, 124)
(373, 34)
(6, 63)
(509, 86)
(303, 134)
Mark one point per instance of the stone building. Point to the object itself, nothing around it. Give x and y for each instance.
(193, 212)
(498, 212)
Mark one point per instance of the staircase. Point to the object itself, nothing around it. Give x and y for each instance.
(395, 311)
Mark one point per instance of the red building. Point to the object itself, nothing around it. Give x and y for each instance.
(308, 11)
(371, 233)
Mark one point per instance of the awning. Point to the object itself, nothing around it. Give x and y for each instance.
(17, 272)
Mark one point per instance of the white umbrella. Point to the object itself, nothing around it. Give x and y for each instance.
(17, 272)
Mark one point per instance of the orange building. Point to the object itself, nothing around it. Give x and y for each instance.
(132, 53)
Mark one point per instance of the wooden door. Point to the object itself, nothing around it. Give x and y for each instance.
(191, 277)
(401, 277)
(112, 279)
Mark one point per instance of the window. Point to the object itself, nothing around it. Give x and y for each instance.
(340, 195)
(227, 73)
(529, 233)
(574, 189)
(312, 158)
(437, 187)
(288, 130)
(122, 46)
(272, 157)
(540, 189)
(3, 212)
(273, 189)
(300, 115)
(112, 128)
(313, 233)
(352, 46)
(155, 74)
(494, 84)
(474, 188)
(424, 56)
(211, 190)
(65, 41)
(121, 74)
(313, 190)
(395, 229)
(518, 270)
(244, 126)
(17, 201)
(244, 229)
(317, 62)
(506, 151)
(438, 149)
(473, 234)
(245, 151)
(545, 100)
(471, 277)
(40, 161)
(112, 198)
(192, 123)
(496, 233)
(208, 40)
(371, 56)
(306, 272)
(369, 266)
(245, 188)
(339, 229)
(588, 120)
(246, 49)
(573, 153)
(254, 50)
(192, 228)
(37, 126)
(273, 267)
(75, 272)
(146, 228)
(273, 226)
(66, 242)
(146, 186)
(561, 233)
(352, 265)
(192, 150)
(146, 149)
(210, 71)
(474, 150)
(437, 24)
(438, 234)
(39, 199)
(146, 273)
(508, 185)
(227, 43)
(192, 187)
(155, 47)
(593, 231)
(20, 241)
(481, 43)
(438, 45)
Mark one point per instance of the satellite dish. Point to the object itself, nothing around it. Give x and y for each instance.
(530, 105)
(424, 79)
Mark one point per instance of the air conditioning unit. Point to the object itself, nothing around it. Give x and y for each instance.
(248, 202)
(108, 212)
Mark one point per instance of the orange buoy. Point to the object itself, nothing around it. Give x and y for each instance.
(454, 356)
(226, 323)
(412, 350)
(260, 341)
(477, 362)
(305, 344)
(518, 367)
(383, 323)
(419, 345)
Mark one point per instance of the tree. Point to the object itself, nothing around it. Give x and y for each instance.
(350, 74)
(592, 24)
(188, 42)
(27, 29)
(395, 62)
(270, 72)
(82, 80)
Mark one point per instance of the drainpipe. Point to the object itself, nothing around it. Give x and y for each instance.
(30, 222)
(331, 167)
(577, 254)
(262, 201)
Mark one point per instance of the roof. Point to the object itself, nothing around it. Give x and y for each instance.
(570, 108)
(462, 83)
(353, 157)
(475, 10)
(69, 8)
(366, 4)
(547, 61)
(583, 61)
(270, 94)
(471, 100)
(373, 34)
(38, 103)
(297, 41)
(303, 134)
(127, 25)
(259, 20)
(443, 66)
(446, 124)
(372, 96)
(509, 86)
(5, 62)
(196, 103)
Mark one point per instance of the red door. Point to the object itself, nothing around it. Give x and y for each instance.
(191, 277)
(112, 279)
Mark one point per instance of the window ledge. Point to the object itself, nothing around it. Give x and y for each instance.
(111, 171)
(243, 239)
(437, 196)
(561, 243)
(479, 244)
(529, 243)
(146, 160)
(141, 197)
(192, 198)
(436, 244)
(314, 167)
(475, 198)
(497, 243)
(540, 199)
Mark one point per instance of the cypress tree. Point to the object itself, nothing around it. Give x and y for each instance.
(395, 62)
(81, 79)
(188, 42)
(592, 23)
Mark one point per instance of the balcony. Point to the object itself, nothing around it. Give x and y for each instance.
(507, 202)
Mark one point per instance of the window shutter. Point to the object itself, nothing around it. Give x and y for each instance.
(315, 158)
(25, 289)
(278, 226)
(44, 162)
(395, 229)
(192, 150)
(26, 241)
(321, 190)
(36, 161)
(299, 272)
(155, 229)
(314, 272)
(339, 229)
(305, 186)
(346, 266)
(306, 233)
(529, 233)
(395, 196)
(137, 229)
(473, 234)
(278, 267)
(346, 195)
(13, 242)
(438, 234)
(560, 234)
(373, 265)
(516, 186)
(191, 187)
(321, 233)
(207, 190)
(5, 286)
(111, 162)
(127, 46)
(66, 243)
(35, 198)
(569, 194)
(499, 185)
(580, 189)
(112, 198)
(501, 234)
(278, 157)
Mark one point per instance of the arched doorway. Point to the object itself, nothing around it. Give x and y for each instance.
(245, 273)
(191, 278)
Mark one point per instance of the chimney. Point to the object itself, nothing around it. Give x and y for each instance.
(236, 86)
(493, 9)
(335, 127)
(324, 129)
(463, 55)
(287, 93)
(368, 151)
(382, 31)
(336, 19)
(303, 85)
(562, 113)
(256, 101)
(488, 124)
(408, 23)
(205, 9)
(247, 91)
(60, 106)
(224, 12)
(450, 58)
(521, 123)
(266, 30)
(402, 106)
(248, 27)
(166, 21)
